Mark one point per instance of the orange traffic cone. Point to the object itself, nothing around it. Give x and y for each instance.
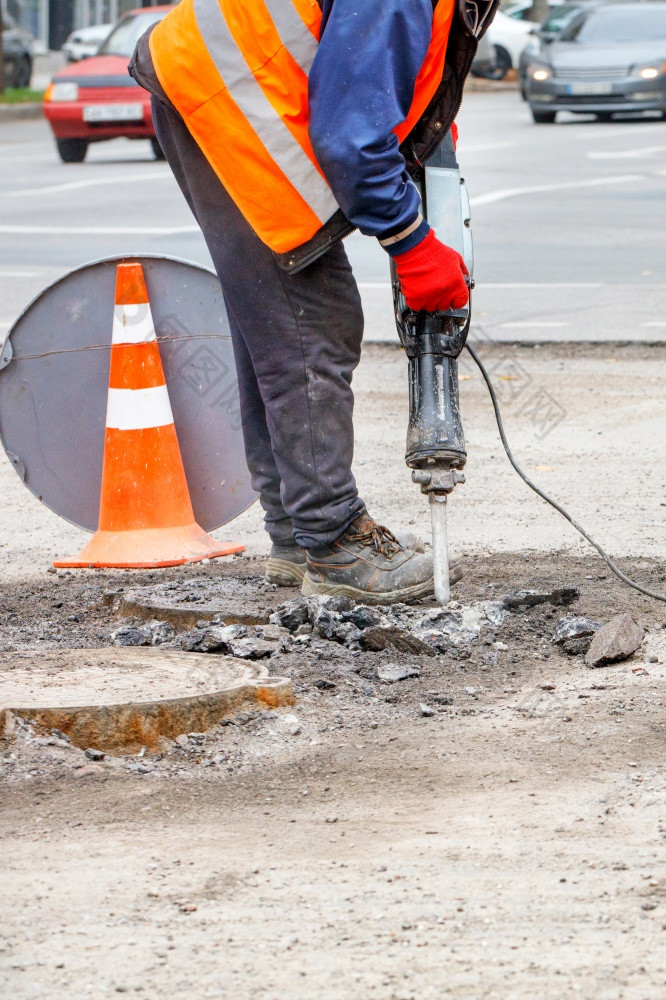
(145, 517)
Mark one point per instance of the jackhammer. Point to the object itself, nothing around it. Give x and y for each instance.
(433, 341)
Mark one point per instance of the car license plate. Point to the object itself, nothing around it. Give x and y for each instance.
(113, 113)
(590, 89)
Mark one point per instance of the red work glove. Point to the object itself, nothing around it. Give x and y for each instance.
(432, 276)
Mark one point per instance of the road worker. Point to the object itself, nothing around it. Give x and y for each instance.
(287, 123)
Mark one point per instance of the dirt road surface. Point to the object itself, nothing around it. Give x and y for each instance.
(492, 827)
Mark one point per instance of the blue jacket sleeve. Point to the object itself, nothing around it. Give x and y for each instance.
(361, 86)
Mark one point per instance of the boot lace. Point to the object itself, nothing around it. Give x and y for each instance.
(377, 537)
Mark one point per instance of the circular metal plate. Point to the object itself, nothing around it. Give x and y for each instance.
(53, 389)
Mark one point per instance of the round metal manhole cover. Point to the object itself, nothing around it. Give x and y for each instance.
(54, 383)
(120, 698)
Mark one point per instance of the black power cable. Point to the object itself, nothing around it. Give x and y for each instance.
(544, 496)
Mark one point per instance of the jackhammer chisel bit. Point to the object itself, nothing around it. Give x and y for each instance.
(432, 341)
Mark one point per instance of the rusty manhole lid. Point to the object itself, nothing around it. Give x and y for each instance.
(187, 602)
(117, 699)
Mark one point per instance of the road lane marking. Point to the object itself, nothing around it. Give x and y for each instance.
(94, 182)
(616, 132)
(503, 193)
(532, 324)
(643, 152)
(482, 147)
(44, 157)
(97, 230)
(20, 274)
(541, 284)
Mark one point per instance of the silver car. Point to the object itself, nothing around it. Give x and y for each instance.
(608, 60)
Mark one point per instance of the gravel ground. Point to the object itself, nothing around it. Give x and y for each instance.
(491, 827)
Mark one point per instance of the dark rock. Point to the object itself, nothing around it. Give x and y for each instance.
(617, 640)
(215, 639)
(152, 633)
(323, 684)
(391, 673)
(577, 647)
(294, 613)
(562, 596)
(189, 641)
(130, 636)
(574, 627)
(363, 616)
(380, 637)
(93, 754)
(160, 632)
(330, 626)
(337, 604)
(246, 642)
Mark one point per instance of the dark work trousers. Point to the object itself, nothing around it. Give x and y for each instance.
(296, 340)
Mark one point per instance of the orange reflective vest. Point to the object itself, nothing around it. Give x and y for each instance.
(237, 71)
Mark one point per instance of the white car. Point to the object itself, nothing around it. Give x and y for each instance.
(509, 36)
(84, 42)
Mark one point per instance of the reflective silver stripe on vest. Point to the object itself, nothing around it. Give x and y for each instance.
(262, 116)
(297, 39)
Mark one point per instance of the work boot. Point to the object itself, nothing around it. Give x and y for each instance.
(287, 564)
(368, 564)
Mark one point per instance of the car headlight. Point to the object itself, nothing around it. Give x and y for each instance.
(650, 72)
(539, 73)
(65, 91)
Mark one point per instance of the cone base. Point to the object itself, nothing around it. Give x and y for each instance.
(148, 548)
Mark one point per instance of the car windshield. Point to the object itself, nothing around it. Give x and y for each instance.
(621, 24)
(122, 40)
(559, 18)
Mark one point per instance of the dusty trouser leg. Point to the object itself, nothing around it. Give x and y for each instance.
(302, 334)
(261, 463)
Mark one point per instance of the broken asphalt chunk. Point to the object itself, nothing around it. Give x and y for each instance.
(574, 627)
(560, 597)
(617, 640)
(152, 633)
(246, 642)
(294, 613)
(574, 634)
(384, 636)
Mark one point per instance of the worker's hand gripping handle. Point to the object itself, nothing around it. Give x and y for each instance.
(432, 276)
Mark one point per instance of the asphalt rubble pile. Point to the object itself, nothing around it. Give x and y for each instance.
(312, 623)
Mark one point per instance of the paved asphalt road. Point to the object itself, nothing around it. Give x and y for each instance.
(568, 222)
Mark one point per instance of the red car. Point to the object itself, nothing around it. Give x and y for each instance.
(96, 99)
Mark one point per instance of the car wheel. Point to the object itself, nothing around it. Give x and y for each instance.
(502, 64)
(158, 152)
(72, 150)
(543, 117)
(22, 73)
